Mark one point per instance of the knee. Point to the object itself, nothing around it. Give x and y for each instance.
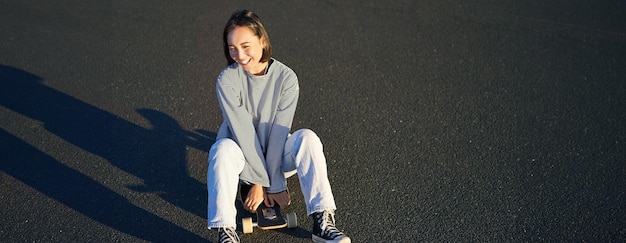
(306, 134)
(225, 156)
(307, 137)
(223, 143)
(221, 148)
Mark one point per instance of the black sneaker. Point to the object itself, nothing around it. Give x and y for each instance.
(227, 235)
(324, 229)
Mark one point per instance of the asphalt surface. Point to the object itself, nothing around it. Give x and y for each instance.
(442, 120)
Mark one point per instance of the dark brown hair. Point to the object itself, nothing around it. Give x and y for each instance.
(253, 22)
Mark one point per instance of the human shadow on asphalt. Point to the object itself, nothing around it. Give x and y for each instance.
(156, 155)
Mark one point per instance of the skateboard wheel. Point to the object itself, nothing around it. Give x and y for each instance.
(292, 220)
(246, 224)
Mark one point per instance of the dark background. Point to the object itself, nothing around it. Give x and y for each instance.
(441, 120)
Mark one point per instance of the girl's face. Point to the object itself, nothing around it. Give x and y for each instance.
(246, 49)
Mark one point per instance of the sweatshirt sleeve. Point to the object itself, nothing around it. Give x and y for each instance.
(279, 133)
(240, 124)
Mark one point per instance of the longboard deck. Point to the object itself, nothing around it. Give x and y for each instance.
(270, 218)
(266, 218)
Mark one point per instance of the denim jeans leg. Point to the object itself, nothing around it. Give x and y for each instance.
(304, 153)
(226, 161)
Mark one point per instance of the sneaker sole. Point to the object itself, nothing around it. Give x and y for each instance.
(340, 239)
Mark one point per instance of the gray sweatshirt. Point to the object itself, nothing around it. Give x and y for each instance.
(258, 112)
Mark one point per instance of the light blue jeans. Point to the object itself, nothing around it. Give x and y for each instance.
(303, 154)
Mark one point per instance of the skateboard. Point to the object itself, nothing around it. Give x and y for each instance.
(268, 218)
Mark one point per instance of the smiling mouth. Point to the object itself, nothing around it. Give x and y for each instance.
(245, 62)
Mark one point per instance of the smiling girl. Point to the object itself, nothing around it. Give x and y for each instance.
(258, 96)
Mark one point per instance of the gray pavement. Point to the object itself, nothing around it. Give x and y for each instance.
(441, 120)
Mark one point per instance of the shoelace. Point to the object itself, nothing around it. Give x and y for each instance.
(327, 224)
(228, 235)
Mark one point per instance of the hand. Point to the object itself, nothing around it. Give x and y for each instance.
(254, 198)
(282, 198)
